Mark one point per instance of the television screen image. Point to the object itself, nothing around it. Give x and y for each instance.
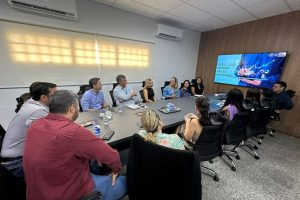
(259, 70)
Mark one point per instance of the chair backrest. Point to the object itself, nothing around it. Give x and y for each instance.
(162, 90)
(166, 83)
(11, 187)
(93, 196)
(114, 104)
(143, 84)
(291, 93)
(193, 82)
(142, 95)
(114, 85)
(83, 89)
(158, 172)
(258, 121)
(235, 130)
(2, 131)
(209, 143)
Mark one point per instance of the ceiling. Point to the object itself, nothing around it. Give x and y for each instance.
(205, 15)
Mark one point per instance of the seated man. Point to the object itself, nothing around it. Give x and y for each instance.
(93, 99)
(57, 154)
(281, 98)
(14, 140)
(123, 94)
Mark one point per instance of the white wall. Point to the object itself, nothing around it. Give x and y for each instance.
(170, 58)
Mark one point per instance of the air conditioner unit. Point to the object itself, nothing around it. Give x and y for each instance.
(57, 8)
(168, 32)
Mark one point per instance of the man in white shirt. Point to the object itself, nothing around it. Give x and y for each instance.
(123, 94)
(14, 139)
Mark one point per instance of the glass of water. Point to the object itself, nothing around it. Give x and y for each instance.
(120, 108)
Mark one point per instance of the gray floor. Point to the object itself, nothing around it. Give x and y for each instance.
(276, 176)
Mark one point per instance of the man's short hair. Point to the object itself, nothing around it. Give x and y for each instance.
(282, 84)
(93, 81)
(37, 89)
(61, 101)
(119, 77)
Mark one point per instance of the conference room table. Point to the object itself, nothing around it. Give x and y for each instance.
(127, 122)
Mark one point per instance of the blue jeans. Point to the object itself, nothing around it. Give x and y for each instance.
(109, 192)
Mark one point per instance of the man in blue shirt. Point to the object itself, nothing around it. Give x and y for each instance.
(93, 99)
(123, 94)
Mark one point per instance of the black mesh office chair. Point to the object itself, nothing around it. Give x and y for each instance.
(111, 92)
(142, 95)
(2, 134)
(257, 126)
(209, 146)
(275, 115)
(158, 172)
(82, 90)
(234, 133)
(162, 90)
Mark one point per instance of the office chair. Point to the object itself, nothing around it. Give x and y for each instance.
(158, 172)
(162, 90)
(276, 116)
(11, 187)
(2, 134)
(93, 196)
(234, 133)
(143, 84)
(193, 81)
(142, 95)
(82, 90)
(166, 83)
(257, 126)
(209, 146)
(111, 92)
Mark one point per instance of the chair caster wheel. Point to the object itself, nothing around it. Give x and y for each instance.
(259, 142)
(256, 157)
(237, 157)
(216, 178)
(211, 161)
(255, 147)
(233, 168)
(271, 134)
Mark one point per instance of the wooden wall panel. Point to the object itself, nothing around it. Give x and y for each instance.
(278, 33)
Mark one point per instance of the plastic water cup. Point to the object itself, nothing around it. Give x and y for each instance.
(97, 130)
(120, 109)
(105, 121)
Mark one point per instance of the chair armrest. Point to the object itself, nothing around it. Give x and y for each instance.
(93, 196)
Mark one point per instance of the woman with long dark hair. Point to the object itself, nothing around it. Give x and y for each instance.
(194, 122)
(233, 103)
(198, 87)
(186, 90)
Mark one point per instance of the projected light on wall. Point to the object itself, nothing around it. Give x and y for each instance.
(44, 49)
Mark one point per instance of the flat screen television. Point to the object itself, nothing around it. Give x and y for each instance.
(259, 70)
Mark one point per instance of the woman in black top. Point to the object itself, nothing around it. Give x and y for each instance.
(198, 87)
(148, 91)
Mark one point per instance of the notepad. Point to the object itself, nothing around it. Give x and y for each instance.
(133, 106)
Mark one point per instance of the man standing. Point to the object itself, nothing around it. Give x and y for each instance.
(123, 94)
(57, 154)
(93, 99)
(281, 98)
(14, 140)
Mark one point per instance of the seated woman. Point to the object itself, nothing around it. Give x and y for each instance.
(198, 87)
(233, 103)
(186, 91)
(171, 91)
(152, 131)
(148, 91)
(194, 123)
(21, 100)
(254, 95)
